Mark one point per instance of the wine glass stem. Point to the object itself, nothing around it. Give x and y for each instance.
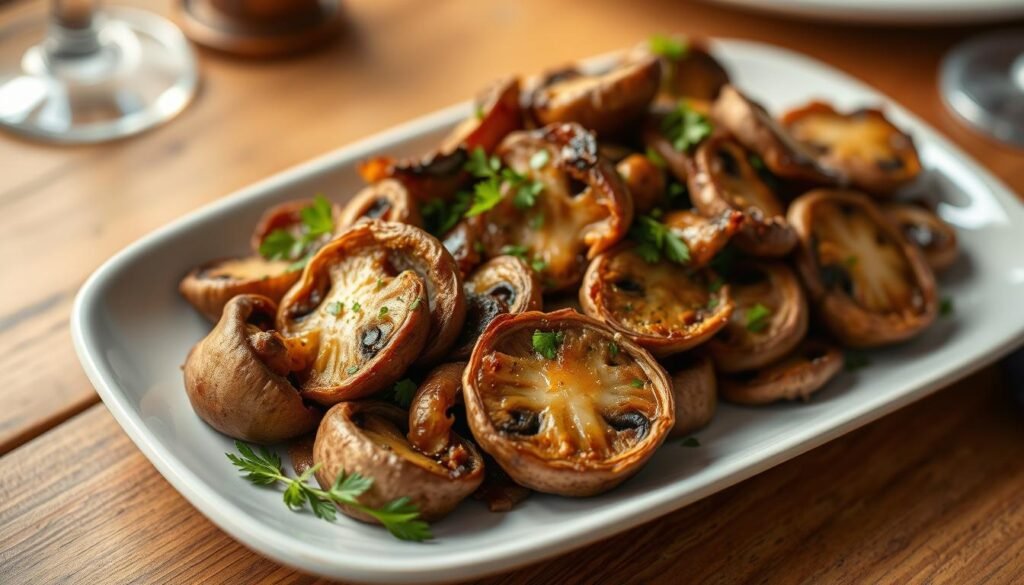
(74, 28)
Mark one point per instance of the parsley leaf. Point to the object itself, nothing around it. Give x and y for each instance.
(668, 47)
(490, 190)
(653, 239)
(402, 392)
(514, 250)
(526, 193)
(757, 318)
(655, 157)
(486, 194)
(613, 349)
(685, 127)
(317, 220)
(440, 216)
(334, 308)
(637, 383)
(546, 343)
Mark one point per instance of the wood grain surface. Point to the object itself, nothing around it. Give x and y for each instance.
(933, 503)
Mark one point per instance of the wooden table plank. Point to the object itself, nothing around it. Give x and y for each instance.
(930, 494)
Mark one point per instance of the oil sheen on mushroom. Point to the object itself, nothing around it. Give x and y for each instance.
(387, 200)
(926, 230)
(798, 375)
(505, 284)
(210, 286)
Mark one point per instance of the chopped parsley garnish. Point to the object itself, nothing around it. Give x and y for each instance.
(613, 348)
(383, 311)
(546, 343)
(351, 370)
(402, 392)
(757, 318)
(514, 250)
(488, 192)
(439, 216)
(478, 111)
(685, 127)
(654, 239)
(946, 306)
(416, 303)
(665, 46)
(637, 383)
(678, 194)
(380, 283)
(690, 442)
(538, 265)
(855, 360)
(356, 306)
(334, 308)
(317, 220)
(716, 284)
(655, 157)
(712, 303)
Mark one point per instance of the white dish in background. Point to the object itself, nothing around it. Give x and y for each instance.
(132, 331)
(889, 12)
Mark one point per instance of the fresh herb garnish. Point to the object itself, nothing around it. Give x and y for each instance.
(655, 157)
(317, 220)
(855, 360)
(678, 194)
(400, 517)
(383, 311)
(516, 250)
(690, 442)
(351, 370)
(538, 265)
(637, 383)
(489, 191)
(712, 303)
(716, 284)
(671, 48)
(439, 216)
(653, 239)
(416, 303)
(334, 308)
(946, 306)
(685, 127)
(402, 392)
(478, 112)
(613, 348)
(757, 318)
(356, 307)
(546, 343)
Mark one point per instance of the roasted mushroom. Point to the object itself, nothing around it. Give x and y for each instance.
(644, 180)
(294, 220)
(210, 286)
(660, 306)
(871, 286)
(687, 69)
(237, 377)
(387, 200)
(922, 227)
(501, 285)
(582, 208)
(430, 411)
(705, 237)
(756, 130)
(496, 113)
(363, 309)
(695, 392)
(769, 320)
(368, 438)
(436, 176)
(672, 132)
(724, 180)
(862, 146)
(564, 404)
(606, 103)
(796, 376)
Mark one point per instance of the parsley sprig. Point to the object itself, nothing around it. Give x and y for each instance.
(317, 220)
(546, 343)
(402, 392)
(685, 127)
(487, 193)
(440, 216)
(671, 48)
(757, 318)
(400, 517)
(654, 239)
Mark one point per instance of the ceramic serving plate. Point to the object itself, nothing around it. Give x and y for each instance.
(132, 331)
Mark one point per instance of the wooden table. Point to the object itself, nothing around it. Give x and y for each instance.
(932, 493)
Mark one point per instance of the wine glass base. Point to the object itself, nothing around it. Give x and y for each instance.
(143, 74)
(982, 82)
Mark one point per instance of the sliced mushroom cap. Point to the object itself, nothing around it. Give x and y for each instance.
(695, 391)
(926, 230)
(369, 438)
(755, 129)
(430, 416)
(210, 286)
(496, 113)
(362, 311)
(863, 146)
(677, 162)
(723, 179)
(692, 73)
(504, 284)
(871, 286)
(644, 180)
(237, 377)
(660, 306)
(436, 176)
(606, 103)
(387, 200)
(582, 209)
(287, 216)
(799, 374)
(576, 421)
(769, 320)
(704, 236)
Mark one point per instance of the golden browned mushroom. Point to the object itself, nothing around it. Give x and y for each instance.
(705, 237)
(799, 374)
(287, 217)
(362, 309)
(687, 68)
(504, 284)
(922, 227)
(644, 180)
(581, 209)
(724, 180)
(660, 306)
(862, 146)
(564, 404)
(387, 200)
(496, 113)
(210, 286)
(769, 320)
(871, 286)
(695, 391)
(237, 377)
(756, 130)
(435, 176)
(605, 103)
(369, 438)
(430, 411)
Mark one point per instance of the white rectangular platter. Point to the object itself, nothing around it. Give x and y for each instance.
(132, 331)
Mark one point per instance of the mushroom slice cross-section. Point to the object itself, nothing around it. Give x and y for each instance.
(871, 286)
(926, 230)
(496, 113)
(695, 390)
(430, 411)
(661, 306)
(363, 313)
(863, 146)
(797, 375)
(504, 284)
(563, 404)
(387, 200)
(769, 320)
(704, 237)
(209, 287)
(369, 438)
(438, 175)
(237, 377)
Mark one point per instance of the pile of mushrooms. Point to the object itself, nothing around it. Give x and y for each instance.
(580, 271)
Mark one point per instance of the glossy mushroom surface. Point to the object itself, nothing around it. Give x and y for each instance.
(770, 317)
(797, 376)
(926, 230)
(437, 175)
(387, 200)
(644, 180)
(722, 179)
(661, 306)
(430, 411)
(237, 377)
(704, 236)
(504, 284)
(496, 113)
(563, 404)
(871, 286)
(695, 389)
(369, 438)
(863, 146)
(605, 103)
(209, 287)
(363, 312)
